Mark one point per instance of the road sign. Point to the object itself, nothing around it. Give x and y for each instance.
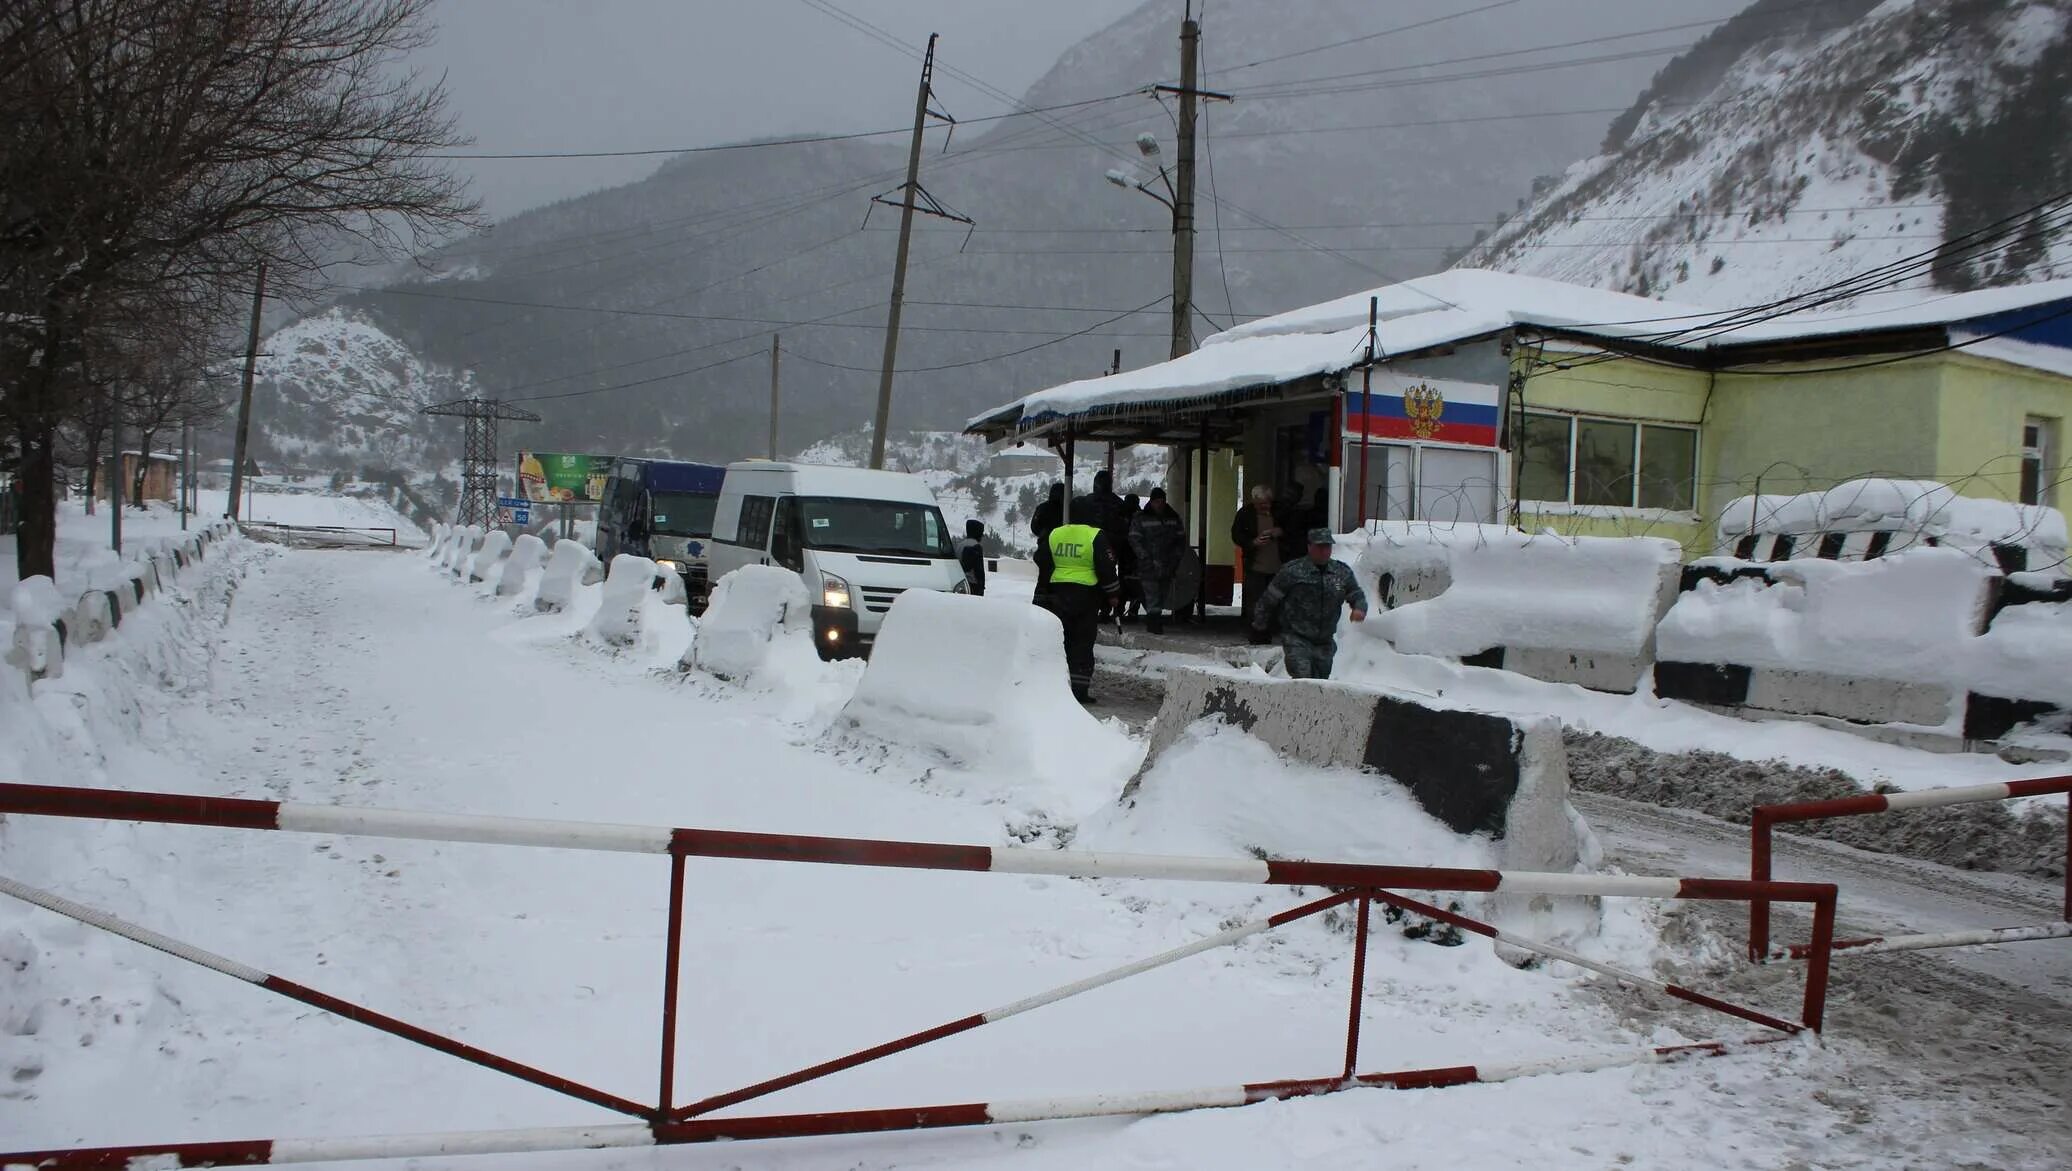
(513, 510)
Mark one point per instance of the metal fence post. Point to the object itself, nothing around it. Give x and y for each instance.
(1352, 1024)
(671, 969)
(1759, 871)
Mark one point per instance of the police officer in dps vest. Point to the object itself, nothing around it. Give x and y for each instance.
(1082, 579)
(1307, 594)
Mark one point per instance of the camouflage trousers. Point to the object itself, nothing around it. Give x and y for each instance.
(1305, 659)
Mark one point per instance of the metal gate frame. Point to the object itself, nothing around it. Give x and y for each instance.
(669, 1123)
(1763, 818)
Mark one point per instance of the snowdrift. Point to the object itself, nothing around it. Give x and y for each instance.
(982, 682)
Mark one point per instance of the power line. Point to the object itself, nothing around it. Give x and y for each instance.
(998, 357)
(758, 144)
(1401, 28)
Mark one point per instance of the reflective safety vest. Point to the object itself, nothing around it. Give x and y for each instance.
(1072, 555)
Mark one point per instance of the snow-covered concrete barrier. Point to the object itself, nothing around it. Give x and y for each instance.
(1562, 609)
(44, 626)
(757, 630)
(626, 587)
(496, 545)
(440, 531)
(1477, 772)
(567, 566)
(1890, 640)
(526, 553)
(1874, 517)
(464, 550)
(982, 683)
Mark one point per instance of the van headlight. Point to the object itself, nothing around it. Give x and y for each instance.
(834, 591)
(671, 566)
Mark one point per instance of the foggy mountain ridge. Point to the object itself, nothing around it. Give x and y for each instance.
(698, 265)
(1787, 152)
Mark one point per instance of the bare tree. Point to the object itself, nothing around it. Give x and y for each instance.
(154, 152)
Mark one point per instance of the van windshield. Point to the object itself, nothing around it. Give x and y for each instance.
(683, 514)
(897, 528)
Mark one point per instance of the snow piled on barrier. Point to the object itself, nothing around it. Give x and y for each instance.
(1464, 588)
(1915, 508)
(1911, 616)
(617, 621)
(757, 633)
(1208, 795)
(526, 553)
(982, 683)
(566, 567)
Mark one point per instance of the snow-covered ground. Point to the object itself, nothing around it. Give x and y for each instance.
(360, 679)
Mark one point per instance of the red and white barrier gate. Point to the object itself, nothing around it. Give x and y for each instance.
(1766, 817)
(666, 1122)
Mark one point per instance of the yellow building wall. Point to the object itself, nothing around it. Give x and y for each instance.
(1979, 433)
(1787, 433)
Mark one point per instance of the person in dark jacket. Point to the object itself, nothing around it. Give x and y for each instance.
(971, 555)
(1103, 509)
(1257, 534)
(1158, 539)
(1082, 576)
(1306, 594)
(1126, 557)
(1048, 515)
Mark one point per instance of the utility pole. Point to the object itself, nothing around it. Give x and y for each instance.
(244, 400)
(910, 193)
(775, 341)
(186, 469)
(1183, 193)
(899, 265)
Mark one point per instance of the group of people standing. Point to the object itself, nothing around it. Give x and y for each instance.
(1114, 558)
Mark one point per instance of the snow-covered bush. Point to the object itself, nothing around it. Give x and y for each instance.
(564, 569)
(982, 682)
(496, 544)
(526, 553)
(757, 630)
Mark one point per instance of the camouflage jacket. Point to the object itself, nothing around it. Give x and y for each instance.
(1307, 597)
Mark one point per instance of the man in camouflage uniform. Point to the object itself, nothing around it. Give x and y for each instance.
(1307, 594)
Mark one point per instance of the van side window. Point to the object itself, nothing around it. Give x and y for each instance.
(784, 535)
(755, 520)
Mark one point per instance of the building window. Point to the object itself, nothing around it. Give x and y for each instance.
(2039, 455)
(1668, 468)
(1607, 463)
(1543, 458)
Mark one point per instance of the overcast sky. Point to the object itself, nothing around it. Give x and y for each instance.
(561, 75)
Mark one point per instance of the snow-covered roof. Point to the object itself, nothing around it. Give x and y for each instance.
(1464, 304)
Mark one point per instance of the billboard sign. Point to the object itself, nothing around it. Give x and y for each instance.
(555, 477)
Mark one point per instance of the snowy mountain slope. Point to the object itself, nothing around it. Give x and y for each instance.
(336, 391)
(1799, 145)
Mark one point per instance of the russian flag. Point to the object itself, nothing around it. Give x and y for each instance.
(1432, 410)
